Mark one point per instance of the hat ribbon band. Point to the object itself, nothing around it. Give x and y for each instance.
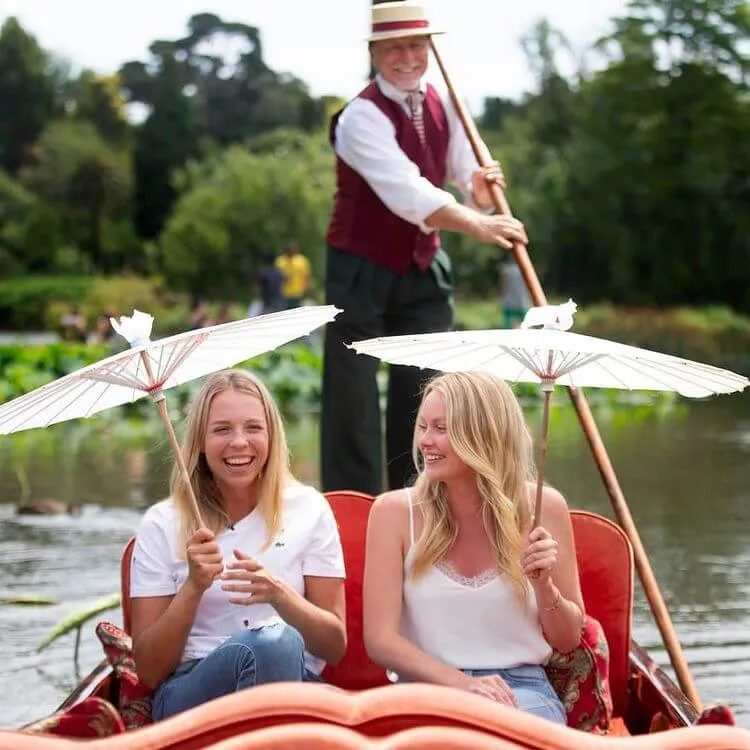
(399, 25)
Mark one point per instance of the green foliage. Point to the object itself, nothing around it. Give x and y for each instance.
(29, 600)
(23, 301)
(166, 140)
(36, 302)
(23, 368)
(244, 205)
(292, 373)
(631, 177)
(80, 617)
(713, 335)
(98, 99)
(236, 95)
(120, 295)
(27, 96)
(76, 169)
(15, 204)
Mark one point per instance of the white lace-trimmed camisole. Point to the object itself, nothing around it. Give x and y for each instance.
(469, 623)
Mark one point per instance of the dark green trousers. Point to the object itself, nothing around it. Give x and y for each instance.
(375, 302)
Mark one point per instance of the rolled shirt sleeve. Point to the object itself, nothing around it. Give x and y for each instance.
(324, 556)
(151, 570)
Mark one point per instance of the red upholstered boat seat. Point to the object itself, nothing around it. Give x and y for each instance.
(356, 671)
(605, 564)
(605, 568)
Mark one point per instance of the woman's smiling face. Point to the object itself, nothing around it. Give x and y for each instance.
(236, 441)
(441, 463)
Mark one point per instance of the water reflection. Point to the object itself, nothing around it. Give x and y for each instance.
(683, 472)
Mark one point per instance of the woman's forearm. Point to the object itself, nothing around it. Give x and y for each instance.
(158, 648)
(561, 618)
(324, 634)
(396, 653)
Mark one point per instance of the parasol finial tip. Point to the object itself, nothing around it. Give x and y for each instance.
(135, 329)
(559, 317)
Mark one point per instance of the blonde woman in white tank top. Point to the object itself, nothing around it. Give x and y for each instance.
(459, 590)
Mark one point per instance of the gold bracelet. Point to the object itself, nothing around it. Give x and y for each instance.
(556, 605)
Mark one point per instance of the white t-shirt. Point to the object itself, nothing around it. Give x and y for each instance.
(307, 545)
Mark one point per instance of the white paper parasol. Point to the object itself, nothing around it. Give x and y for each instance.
(151, 367)
(550, 356)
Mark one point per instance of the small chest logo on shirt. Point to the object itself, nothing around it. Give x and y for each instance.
(280, 542)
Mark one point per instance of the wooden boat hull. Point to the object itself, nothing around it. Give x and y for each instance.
(312, 715)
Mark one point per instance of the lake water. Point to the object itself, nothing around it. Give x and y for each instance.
(684, 472)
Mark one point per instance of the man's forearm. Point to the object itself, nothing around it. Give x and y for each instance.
(455, 217)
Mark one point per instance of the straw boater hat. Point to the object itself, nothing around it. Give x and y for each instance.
(399, 19)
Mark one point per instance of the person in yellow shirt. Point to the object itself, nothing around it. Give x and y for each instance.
(295, 268)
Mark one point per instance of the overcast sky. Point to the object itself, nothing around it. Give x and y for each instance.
(320, 42)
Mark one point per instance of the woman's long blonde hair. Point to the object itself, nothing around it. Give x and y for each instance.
(272, 478)
(486, 429)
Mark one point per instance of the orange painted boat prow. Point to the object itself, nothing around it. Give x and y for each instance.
(398, 716)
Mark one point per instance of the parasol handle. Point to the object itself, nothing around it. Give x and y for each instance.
(161, 404)
(586, 418)
(542, 457)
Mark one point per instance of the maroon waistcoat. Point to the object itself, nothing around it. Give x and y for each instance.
(361, 223)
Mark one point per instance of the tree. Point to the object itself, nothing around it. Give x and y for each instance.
(27, 94)
(241, 205)
(705, 32)
(77, 171)
(99, 100)
(236, 94)
(654, 196)
(15, 203)
(164, 143)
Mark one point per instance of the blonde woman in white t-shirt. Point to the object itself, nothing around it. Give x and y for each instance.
(459, 590)
(257, 595)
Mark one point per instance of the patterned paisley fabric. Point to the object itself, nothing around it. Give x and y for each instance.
(581, 680)
(134, 699)
(92, 717)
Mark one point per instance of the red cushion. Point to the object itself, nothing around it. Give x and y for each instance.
(134, 699)
(581, 679)
(92, 717)
(718, 714)
(356, 671)
(605, 569)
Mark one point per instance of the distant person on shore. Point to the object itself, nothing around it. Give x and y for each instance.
(198, 314)
(295, 269)
(103, 333)
(267, 289)
(73, 325)
(225, 315)
(514, 295)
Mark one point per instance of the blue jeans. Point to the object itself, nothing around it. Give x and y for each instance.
(531, 688)
(273, 653)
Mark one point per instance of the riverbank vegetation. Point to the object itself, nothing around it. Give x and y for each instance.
(630, 173)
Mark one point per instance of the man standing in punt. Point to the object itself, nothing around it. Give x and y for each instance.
(397, 144)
